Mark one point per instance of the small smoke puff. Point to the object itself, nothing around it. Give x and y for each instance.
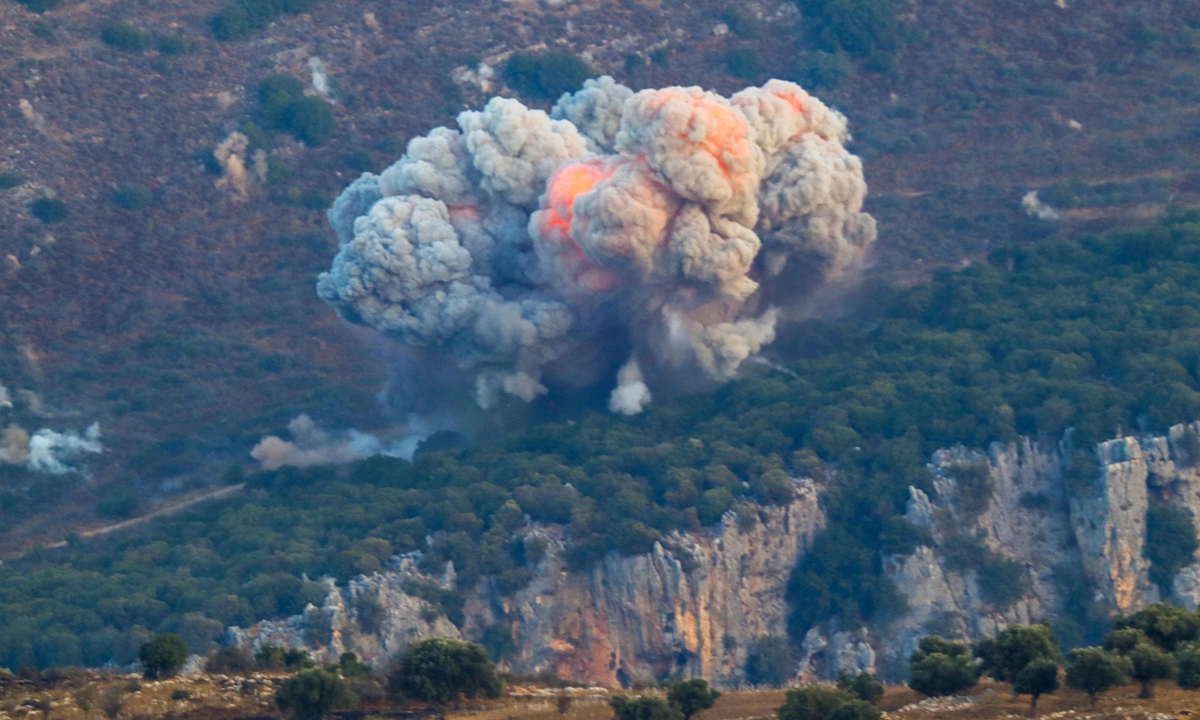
(517, 149)
(5, 398)
(261, 166)
(722, 348)
(14, 445)
(311, 445)
(1034, 207)
(49, 451)
(320, 79)
(231, 156)
(595, 111)
(631, 395)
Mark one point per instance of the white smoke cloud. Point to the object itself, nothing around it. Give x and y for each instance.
(320, 78)
(523, 241)
(312, 445)
(5, 398)
(1034, 207)
(48, 451)
(231, 156)
(631, 395)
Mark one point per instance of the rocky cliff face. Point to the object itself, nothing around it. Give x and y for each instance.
(1012, 530)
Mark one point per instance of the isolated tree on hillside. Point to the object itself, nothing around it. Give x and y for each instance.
(1093, 670)
(691, 696)
(864, 685)
(163, 656)
(1151, 663)
(645, 707)
(813, 702)
(441, 670)
(313, 692)
(1037, 678)
(1164, 624)
(1006, 655)
(942, 667)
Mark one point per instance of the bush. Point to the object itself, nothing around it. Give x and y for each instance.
(691, 696)
(1163, 624)
(119, 503)
(232, 23)
(231, 660)
(942, 667)
(310, 119)
(126, 37)
(1006, 655)
(1151, 663)
(178, 695)
(1037, 678)
(861, 27)
(163, 656)
(132, 197)
(1187, 657)
(171, 45)
(238, 20)
(40, 6)
(314, 692)
(770, 662)
(742, 23)
(546, 76)
(1092, 670)
(11, 179)
(744, 63)
(1170, 542)
(823, 70)
(49, 210)
(864, 685)
(645, 707)
(815, 703)
(441, 670)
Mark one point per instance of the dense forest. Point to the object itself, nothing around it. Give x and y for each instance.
(1098, 335)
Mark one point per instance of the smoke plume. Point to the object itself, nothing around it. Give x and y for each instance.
(312, 445)
(231, 156)
(1035, 208)
(48, 451)
(640, 230)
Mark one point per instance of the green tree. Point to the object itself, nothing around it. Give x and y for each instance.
(311, 693)
(163, 656)
(1006, 655)
(310, 119)
(126, 37)
(691, 696)
(1164, 624)
(865, 685)
(1037, 678)
(1093, 670)
(942, 667)
(1123, 640)
(770, 662)
(49, 210)
(1151, 663)
(442, 670)
(813, 702)
(645, 707)
(1187, 657)
(1170, 545)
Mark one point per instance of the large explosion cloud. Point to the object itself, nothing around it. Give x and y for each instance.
(525, 246)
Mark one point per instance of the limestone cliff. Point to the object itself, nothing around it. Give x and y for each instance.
(1010, 533)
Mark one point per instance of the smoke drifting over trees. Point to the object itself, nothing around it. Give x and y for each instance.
(623, 230)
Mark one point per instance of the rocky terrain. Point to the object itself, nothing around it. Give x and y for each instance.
(696, 605)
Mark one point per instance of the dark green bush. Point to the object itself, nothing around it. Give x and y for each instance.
(1170, 542)
(232, 23)
(645, 707)
(310, 119)
(40, 6)
(546, 76)
(49, 210)
(163, 656)
(770, 662)
(132, 197)
(742, 23)
(11, 179)
(171, 45)
(861, 27)
(818, 703)
(744, 63)
(312, 693)
(237, 20)
(441, 670)
(822, 69)
(864, 685)
(126, 37)
(942, 667)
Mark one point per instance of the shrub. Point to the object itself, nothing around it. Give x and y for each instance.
(132, 197)
(119, 503)
(126, 37)
(742, 23)
(310, 119)
(1006, 655)
(814, 703)
(1170, 542)
(1151, 663)
(40, 6)
(942, 667)
(232, 23)
(49, 210)
(645, 707)
(744, 63)
(770, 662)
(822, 69)
(163, 656)
(546, 76)
(1093, 670)
(1164, 624)
(230, 660)
(441, 670)
(1187, 657)
(1002, 581)
(311, 693)
(864, 685)
(178, 695)
(112, 699)
(11, 179)
(171, 45)
(860, 27)
(691, 696)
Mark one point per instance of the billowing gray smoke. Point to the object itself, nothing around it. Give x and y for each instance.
(523, 244)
